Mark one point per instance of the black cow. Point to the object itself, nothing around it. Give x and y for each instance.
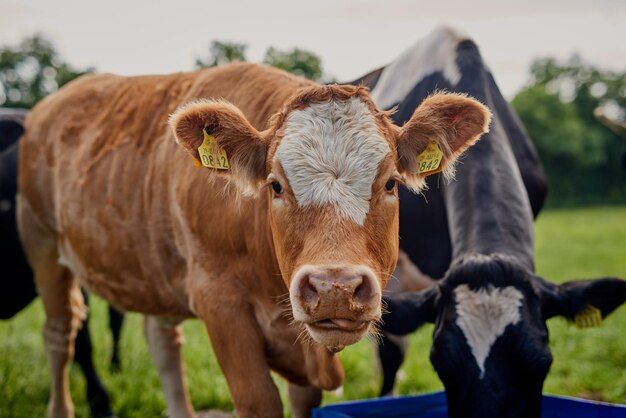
(16, 281)
(490, 345)
(17, 292)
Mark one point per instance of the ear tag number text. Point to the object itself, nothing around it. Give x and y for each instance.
(211, 155)
(590, 317)
(429, 161)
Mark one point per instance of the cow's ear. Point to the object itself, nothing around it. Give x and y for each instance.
(582, 300)
(441, 128)
(407, 311)
(220, 139)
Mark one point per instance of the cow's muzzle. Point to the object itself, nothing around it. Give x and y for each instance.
(337, 304)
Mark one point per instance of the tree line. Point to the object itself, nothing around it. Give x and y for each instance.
(584, 159)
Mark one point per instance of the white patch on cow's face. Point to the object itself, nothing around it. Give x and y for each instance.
(436, 52)
(483, 315)
(330, 154)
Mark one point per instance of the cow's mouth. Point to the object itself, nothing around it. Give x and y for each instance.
(340, 324)
(337, 333)
(337, 304)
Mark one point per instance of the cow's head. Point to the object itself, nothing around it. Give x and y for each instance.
(328, 165)
(490, 345)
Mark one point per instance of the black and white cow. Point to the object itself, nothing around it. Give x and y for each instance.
(490, 345)
(17, 287)
(430, 65)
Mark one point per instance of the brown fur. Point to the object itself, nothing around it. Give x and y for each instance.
(449, 120)
(106, 191)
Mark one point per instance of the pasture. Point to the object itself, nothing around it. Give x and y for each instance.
(571, 244)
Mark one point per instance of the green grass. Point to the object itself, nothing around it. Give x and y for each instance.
(571, 244)
(585, 244)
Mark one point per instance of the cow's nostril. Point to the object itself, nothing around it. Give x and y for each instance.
(308, 292)
(363, 291)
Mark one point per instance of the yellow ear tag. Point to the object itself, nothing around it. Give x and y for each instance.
(429, 161)
(211, 155)
(590, 317)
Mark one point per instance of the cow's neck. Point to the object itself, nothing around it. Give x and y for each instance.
(487, 206)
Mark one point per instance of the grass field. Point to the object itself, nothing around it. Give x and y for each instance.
(571, 244)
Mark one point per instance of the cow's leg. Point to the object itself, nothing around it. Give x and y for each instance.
(64, 308)
(116, 320)
(96, 394)
(303, 399)
(391, 352)
(165, 340)
(240, 350)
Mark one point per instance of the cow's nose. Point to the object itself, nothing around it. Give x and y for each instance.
(336, 286)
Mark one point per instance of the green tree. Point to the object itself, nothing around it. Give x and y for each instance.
(582, 157)
(31, 70)
(297, 61)
(221, 53)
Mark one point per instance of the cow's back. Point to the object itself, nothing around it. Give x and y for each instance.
(102, 176)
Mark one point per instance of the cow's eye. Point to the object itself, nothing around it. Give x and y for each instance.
(390, 185)
(278, 189)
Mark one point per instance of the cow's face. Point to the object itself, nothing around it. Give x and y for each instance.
(329, 165)
(490, 345)
(334, 215)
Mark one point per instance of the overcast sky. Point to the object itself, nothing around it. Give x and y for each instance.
(351, 36)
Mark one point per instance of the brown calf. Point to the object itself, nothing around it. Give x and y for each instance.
(300, 201)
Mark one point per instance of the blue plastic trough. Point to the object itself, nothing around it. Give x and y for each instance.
(434, 405)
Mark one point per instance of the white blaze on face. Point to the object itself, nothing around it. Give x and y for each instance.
(330, 153)
(483, 315)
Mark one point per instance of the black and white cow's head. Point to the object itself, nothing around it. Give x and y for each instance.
(490, 344)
